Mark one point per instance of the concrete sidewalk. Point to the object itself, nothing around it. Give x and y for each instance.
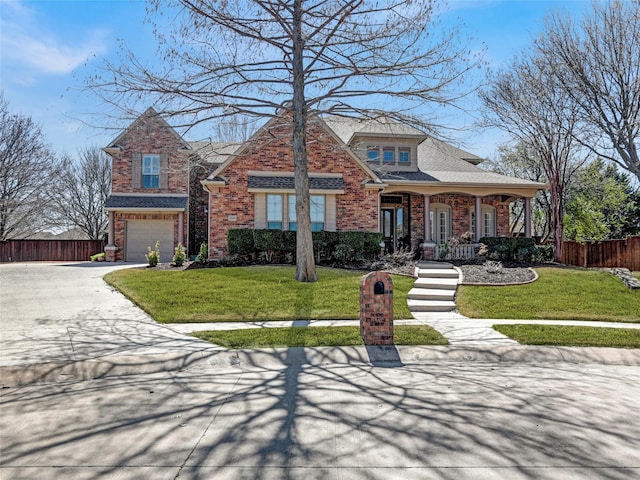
(61, 321)
(95, 389)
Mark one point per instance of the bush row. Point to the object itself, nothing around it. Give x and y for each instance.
(518, 249)
(345, 248)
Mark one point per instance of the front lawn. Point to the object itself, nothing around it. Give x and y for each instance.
(574, 336)
(248, 294)
(315, 337)
(559, 293)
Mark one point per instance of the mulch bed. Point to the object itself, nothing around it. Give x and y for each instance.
(510, 275)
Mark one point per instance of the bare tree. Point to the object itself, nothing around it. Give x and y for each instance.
(597, 64)
(522, 161)
(25, 162)
(80, 189)
(525, 102)
(294, 59)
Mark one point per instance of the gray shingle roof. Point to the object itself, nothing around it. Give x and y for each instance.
(287, 183)
(346, 128)
(408, 176)
(214, 152)
(147, 202)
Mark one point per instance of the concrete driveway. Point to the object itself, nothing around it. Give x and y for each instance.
(63, 319)
(97, 390)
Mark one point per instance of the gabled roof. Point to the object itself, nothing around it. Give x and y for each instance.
(216, 176)
(215, 153)
(149, 115)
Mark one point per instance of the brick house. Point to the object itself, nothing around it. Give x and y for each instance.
(365, 175)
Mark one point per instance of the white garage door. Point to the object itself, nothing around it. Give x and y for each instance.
(141, 234)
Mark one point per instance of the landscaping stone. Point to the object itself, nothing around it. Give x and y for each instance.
(627, 278)
(478, 275)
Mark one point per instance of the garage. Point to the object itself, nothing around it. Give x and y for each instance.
(143, 234)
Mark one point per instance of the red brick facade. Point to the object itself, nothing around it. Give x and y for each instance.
(149, 134)
(376, 309)
(232, 206)
(226, 202)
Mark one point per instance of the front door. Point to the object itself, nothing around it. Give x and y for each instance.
(392, 228)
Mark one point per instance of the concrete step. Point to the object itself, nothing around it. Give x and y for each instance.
(440, 265)
(430, 305)
(437, 283)
(437, 273)
(431, 294)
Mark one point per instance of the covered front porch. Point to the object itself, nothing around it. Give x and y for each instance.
(426, 218)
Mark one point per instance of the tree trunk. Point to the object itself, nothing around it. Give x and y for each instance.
(305, 262)
(557, 218)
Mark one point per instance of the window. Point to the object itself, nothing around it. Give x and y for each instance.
(274, 211)
(389, 154)
(293, 224)
(316, 208)
(488, 221)
(440, 217)
(317, 213)
(489, 229)
(150, 171)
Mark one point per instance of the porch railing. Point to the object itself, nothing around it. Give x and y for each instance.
(461, 252)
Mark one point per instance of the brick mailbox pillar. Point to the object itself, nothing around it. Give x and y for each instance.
(376, 309)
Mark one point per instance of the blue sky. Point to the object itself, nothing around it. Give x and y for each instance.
(49, 47)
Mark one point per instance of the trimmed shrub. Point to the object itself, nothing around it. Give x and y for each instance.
(509, 249)
(544, 253)
(240, 242)
(354, 247)
(289, 242)
(324, 244)
(346, 248)
(269, 242)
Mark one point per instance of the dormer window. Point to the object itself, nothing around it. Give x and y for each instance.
(389, 155)
(404, 155)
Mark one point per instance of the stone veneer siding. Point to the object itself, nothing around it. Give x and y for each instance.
(232, 206)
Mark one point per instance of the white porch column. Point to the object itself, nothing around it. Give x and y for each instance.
(527, 217)
(427, 219)
(181, 228)
(478, 218)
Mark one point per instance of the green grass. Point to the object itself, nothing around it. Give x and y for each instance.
(572, 335)
(559, 293)
(248, 294)
(315, 337)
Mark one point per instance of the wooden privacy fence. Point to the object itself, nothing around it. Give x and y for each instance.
(49, 250)
(608, 253)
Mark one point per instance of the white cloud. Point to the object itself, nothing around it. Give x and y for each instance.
(27, 46)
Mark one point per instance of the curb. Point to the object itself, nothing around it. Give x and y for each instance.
(371, 356)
